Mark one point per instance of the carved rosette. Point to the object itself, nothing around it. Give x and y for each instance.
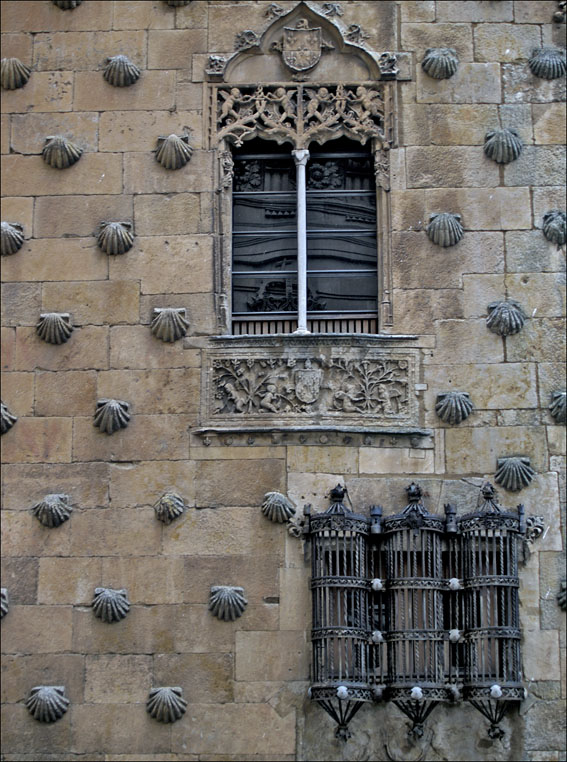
(505, 318)
(503, 146)
(547, 63)
(121, 72)
(166, 704)
(54, 327)
(47, 703)
(169, 323)
(558, 406)
(453, 407)
(53, 510)
(111, 415)
(6, 418)
(445, 229)
(173, 151)
(169, 507)
(110, 605)
(227, 603)
(514, 473)
(115, 237)
(14, 74)
(440, 63)
(4, 602)
(554, 226)
(277, 507)
(12, 238)
(60, 153)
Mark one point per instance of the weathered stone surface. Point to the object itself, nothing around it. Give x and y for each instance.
(48, 260)
(541, 294)
(153, 392)
(260, 579)
(45, 91)
(539, 341)
(543, 200)
(537, 165)
(124, 532)
(21, 303)
(142, 483)
(433, 166)
(21, 730)
(37, 629)
(135, 347)
(448, 124)
(529, 251)
(71, 216)
(137, 731)
(95, 172)
(39, 17)
(68, 580)
(99, 302)
(397, 460)
(29, 130)
(172, 49)
(471, 83)
(142, 174)
(475, 451)
(77, 51)
(505, 42)
(542, 727)
(416, 11)
(117, 678)
(90, 352)
(322, 459)
(211, 675)
(480, 290)
(19, 575)
(18, 389)
(148, 580)
(419, 37)
(23, 535)
(39, 440)
(271, 656)
(167, 215)
(475, 11)
(417, 310)
(520, 86)
(549, 123)
(237, 482)
(80, 390)
(143, 14)
(19, 672)
(137, 130)
(155, 89)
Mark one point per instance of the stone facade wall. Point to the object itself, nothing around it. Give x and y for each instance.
(246, 681)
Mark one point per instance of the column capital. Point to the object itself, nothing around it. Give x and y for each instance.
(300, 156)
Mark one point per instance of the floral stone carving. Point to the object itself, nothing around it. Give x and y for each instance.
(558, 405)
(115, 237)
(505, 318)
(169, 323)
(60, 153)
(166, 704)
(111, 415)
(554, 226)
(173, 151)
(121, 72)
(453, 407)
(169, 507)
(440, 63)
(47, 703)
(12, 238)
(227, 603)
(277, 507)
(54, 327)
(4, 602)
(110, 605)
(514, 473)
(547, 63)
(13, 73)
(53, 510)
(7, 419)
(445, 229)
(503, 146)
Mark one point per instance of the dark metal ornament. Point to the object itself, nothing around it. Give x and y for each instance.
(440, 63)
(12, 238)
(14, 74)
(503, 146)
(555, 226)
(547, 63)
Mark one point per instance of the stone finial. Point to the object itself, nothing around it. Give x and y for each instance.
(440, 63)
(166, 704)
(6, 418)
(4, 602)
(445, 229)
(110, 605)
(277, 507)
(115, 237)
(173, 151)
(169, 507)
(12, 237)
(60, 153)
(53, 510)
(13, 73)
(169, 323)
(562, 594)
(558, 406)
(227, 603)
(111, 415)
(503, 146)
(120, 71)
(47, 703)
(514, 473)
(547, 63)
(505, 318)
(453, 407)
(54, 327)
(554, 226)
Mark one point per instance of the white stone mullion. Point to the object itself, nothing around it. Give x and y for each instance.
(300, 157)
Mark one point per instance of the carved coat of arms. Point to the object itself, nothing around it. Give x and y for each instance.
(301, 46)
(307, 384)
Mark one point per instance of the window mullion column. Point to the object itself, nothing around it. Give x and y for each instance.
(300, 157)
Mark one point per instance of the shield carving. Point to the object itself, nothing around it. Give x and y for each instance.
(307, 384)
(301, 47)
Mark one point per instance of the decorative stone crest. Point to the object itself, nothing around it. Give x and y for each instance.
(115, 237)
(445, 229)
(440, 63)
(53, 510)
(166, 704)
(6, 418)
(301, 47)
(173, 151)
(54, 327)
(169, 507)
(169, 323)
(110, 605)
(12, 238)
(505, 318)
(111, 415)
(554, 226)
(47, 703)
(547, 63)
(246, 39)
(503, 146)
(514, 473)
(13, 73)
(227, 603)
(558, 406)
(121, 72)
(453, 407)
(60, 153)
(4, 602)
(277, 507)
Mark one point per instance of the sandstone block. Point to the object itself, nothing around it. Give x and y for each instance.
(77, 51)
(521, 86)
(196, 630)
(529, 251)
(472, 83)
(36, 16)
(138, 130)
(212, 452)
(237, 482)
(19, 575)
(45, 91)
(323, 459)
(505, 42)
(259, 580)
(8, 347)
(115, 532)
(541, 294)
(537, 165)
(20, 673)
(31, 176)
(540, 654)
(453, 167)
(462, 342)
(551, 377)
(21, 303)
(188, 94)
(143, 174)
(419, 37)
(172, 48)
(483, 209)
(544, 199)
(295, 600)
(543, 731)
(557, 440)
(22, 731)
(18, 45)
(549, 123)
(85, 483)
(143, 14)
(210, 675)
(479, 291)
(226, 20)
(415, 11)
(70, 216)
(30, 130)
(146, 629)
(540, 340)
(313, 488)
(5, 133)
(19, 209)
(17, 388)
(474, 450)
(23, 535)
(154, 90)
(37, 630)
(542, 495)
(272, 656)
(118, 679)
(379, 21)
(200, 309)
(193, 17)
(90, 351)
(148, 580)
(95, 728)
(530, 13)
(94, 302)
(143, 483)
(153, 391)
(417, 310)
(396, 460)
(446, 124)
(264, 618)
(78, 397)
(36, 440)
(68, 580)
(475, 11)
(135, 347)
(178, 214)
(67, 259)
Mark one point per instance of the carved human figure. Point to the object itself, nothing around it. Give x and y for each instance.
(269, 398)
(236, 397)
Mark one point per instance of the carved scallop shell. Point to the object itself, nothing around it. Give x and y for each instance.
(54, 327)
(169, 323)
(166, 704)
(7, 419)
(514, 473)
(110, 605)
(277, 507)
(47, 703)
(440, 63)
(60, 153)
(554, 226)
(12, 238)
(445, 229)
(173, 151)
(453, 407)
(227, 603)
(115, 237)
(121, 72)
(111, 415)
(177, 3)
(169, 507)
(558, 406)
(562, 594)
(67, 5)
(53, 510)
(14, 74)
(547, 63)
(505, 318)
(503, 146)
(4, 602)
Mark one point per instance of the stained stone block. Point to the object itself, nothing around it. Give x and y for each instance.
(538, 165)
